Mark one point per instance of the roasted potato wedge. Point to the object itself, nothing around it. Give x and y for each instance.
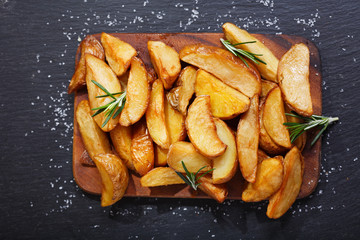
(137, 94)
(160, 176)
(118, 53)
(282, 200)
(179, 96)
(200, 121)
(226, 102)
(247, 140)
(274, 117)
(114, 178)
(262, 155)
(216, 191)
(142, 149)
(121, 139)
(166, 62)
(160, 156)
(225, 66)
(175, 123)
(186, 152)
(226, 164)
(300, 142)
(90, 45)
(266, 87)
(237, 35)
(155, 116)
(269, 176)
(98, 70)
(293, 77)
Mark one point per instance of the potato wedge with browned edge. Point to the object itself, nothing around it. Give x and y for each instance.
(155, 116)
(274, 118)
(266, 87)
(179, 96)
(166, 62)
(201, 128)
(237, 35)
(226, 102)
(300, 141)
(175, 123)
(114, 178)
(160, 156)
(99, 71)
(225, 166)
(121, 139)
(160, 176)
(90, 45)
(247, 140)
(137, 94)
(225, 66)
(186, 152)
(118, 53)
(269, 176)
(262, 155)
(282, 200)
(142, 149)
(216, 191)
(293, 77)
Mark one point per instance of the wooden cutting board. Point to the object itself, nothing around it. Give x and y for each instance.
(88, 178)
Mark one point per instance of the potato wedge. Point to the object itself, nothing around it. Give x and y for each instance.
(121, 139)
(269, 177)
(90, 45)
(137, 94)
(175, 123)
(225, 66)
(226, 164)
(118, 53)
(114, 178)
(247, 140)
(216, 191)
(200, 121)
(186, 152)
(266, 87)
(98, 70)
(155, 116)
(166, 62)
(160, 176)
(226, 102)
(262, 155)
(179, 96)
(142, 149)
(282, 200)
(300, 142)
(160, 156)
(274, 117)
(237, 35)
(293, 77)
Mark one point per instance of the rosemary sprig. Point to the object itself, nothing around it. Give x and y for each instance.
(110, 108)
(190, 178)
(242, 53)
(296, 129)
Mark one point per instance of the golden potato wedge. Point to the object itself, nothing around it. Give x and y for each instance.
(186, 152)
(160, 156)
(282, 200)
(98, 70)
(121, 139)
(216, 191)
(226, 164)
(300, 142)
(90, 45)
(179, 96)
(118, 53)
(137, 94)
(114, 178)
(225, 66)
(269, 176)
(166, 62)
(175, 123)
(266, 87)
(124, 79)
(201, 128)
(274, 117)
(237, 35)
(293, 77)
(247, 140)
(155, 116)
(226, 102)
(142, 149)
(94, 139)
(160, 176)
(262, 155)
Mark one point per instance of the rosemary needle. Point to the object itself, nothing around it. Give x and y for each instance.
(190, 178)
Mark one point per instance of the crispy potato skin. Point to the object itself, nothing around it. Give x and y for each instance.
(114, 177)
(266, 87)
(199, 121)
(121, 140)
(262, 155)
(293, 77)
(160, 176)
(175, 123)
(90, 45)
(216, 191)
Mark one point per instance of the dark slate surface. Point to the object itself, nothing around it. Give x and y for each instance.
(39, 199)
